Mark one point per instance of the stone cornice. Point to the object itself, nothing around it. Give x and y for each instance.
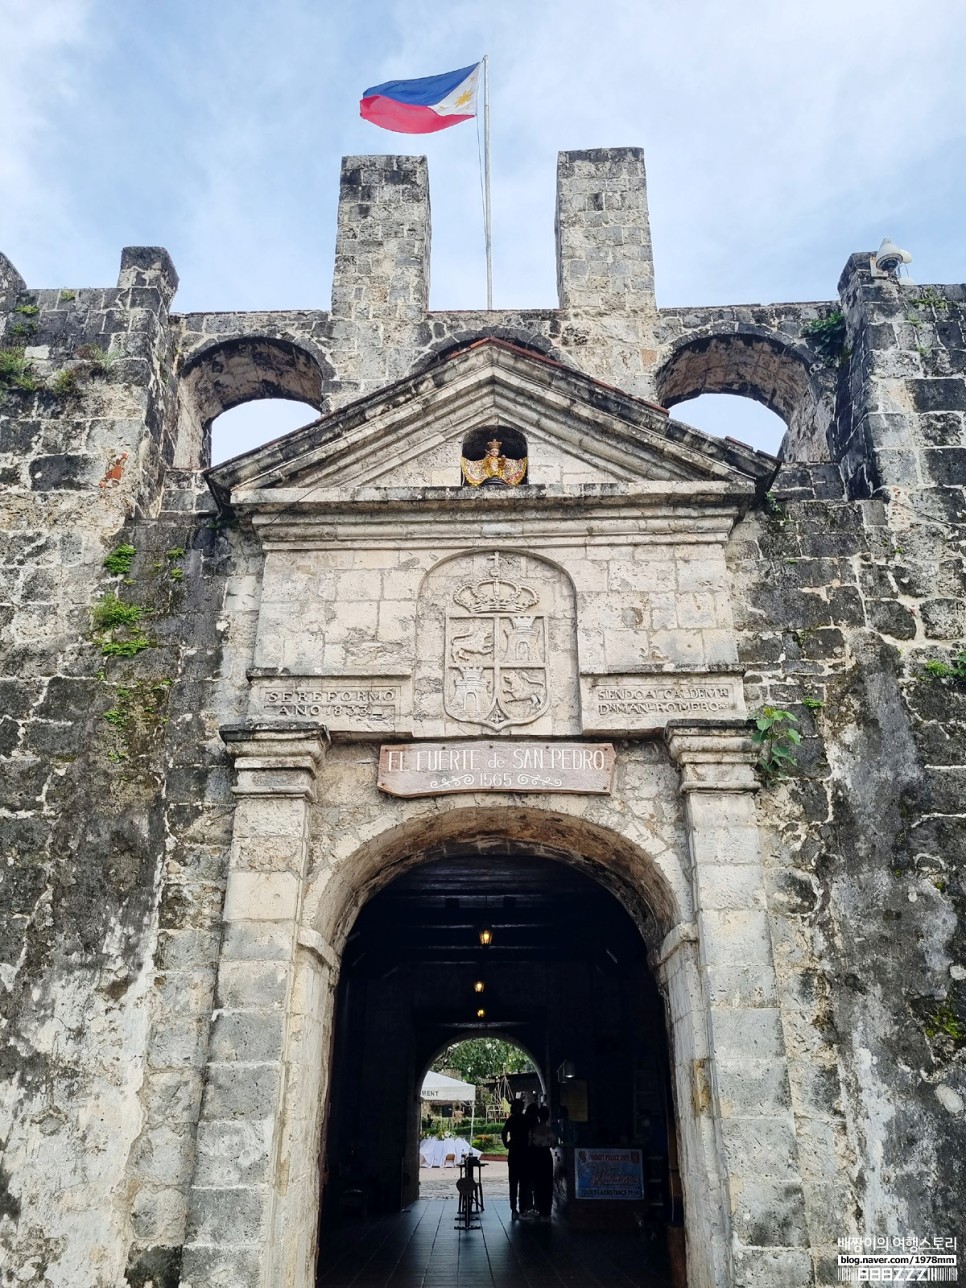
(690, 511)
(713, 755)
(276, 759)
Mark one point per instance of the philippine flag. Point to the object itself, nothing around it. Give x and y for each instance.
(425, 105)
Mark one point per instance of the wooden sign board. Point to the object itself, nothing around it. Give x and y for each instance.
(435, 768)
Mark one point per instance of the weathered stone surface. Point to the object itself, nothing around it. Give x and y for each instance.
(175, 920)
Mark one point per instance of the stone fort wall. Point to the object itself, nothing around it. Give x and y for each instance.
(115, 800)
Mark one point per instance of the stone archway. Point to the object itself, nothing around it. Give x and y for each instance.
(566, 977)
(289, 907)
(752, 362)
(223, 375)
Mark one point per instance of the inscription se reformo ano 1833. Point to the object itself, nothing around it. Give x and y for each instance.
(378, 704)
(432, 768)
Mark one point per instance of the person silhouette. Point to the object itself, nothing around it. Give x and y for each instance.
(541, 1143)
(516, 1138)
(528, 1209)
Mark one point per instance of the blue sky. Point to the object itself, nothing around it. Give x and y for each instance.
(779, 139)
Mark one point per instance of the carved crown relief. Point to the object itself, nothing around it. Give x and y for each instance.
(497, 646)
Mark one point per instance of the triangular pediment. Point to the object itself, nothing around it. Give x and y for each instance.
(578, 432)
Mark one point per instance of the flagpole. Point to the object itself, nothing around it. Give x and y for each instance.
(487, 217)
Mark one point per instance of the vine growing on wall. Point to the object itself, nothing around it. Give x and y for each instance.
(827, 336)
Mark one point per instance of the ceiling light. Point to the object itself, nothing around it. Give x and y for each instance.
(486, 936)
(479, 986)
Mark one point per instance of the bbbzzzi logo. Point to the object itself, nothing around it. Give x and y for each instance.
(897, 1259)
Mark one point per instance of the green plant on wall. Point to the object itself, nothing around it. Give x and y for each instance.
(66, 385)
(776, 738)
(117, 627)
(16, 372)
(827, 336)
(98, 361)
(119, 561)
(138, 714)
(174, 556)
(929, 298)
(954, 670)
(23, 329)
(775, 511)
(944, 1023)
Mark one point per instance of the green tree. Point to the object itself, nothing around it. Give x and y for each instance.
(478, 1059)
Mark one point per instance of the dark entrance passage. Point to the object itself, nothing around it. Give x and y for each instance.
(419, 1248)
(565, 977)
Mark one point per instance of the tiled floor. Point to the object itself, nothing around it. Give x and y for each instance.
(420, 1248)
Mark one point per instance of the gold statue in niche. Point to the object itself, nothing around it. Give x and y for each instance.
(494, 466)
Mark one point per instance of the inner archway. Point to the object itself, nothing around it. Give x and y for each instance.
(466, 1095)
(565, 976)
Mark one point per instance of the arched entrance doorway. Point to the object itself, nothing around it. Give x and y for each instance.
(311, 850)
(565, 975)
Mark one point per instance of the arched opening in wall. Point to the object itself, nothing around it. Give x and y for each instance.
(255, 423)
(754, 367)
(733, 416)
(465, 1097)
(566, 979)
(256, 370)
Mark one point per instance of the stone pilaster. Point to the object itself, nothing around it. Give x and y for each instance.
(243, 1170)
(747, 1088)
(679, 972)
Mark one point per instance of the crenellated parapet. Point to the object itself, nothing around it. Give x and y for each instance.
(380, 329)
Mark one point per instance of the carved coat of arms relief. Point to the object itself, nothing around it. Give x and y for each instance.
(496, 671)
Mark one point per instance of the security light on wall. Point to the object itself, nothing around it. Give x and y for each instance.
(486, 936)
(480, 1013)
(478, 986)
(566, 1071)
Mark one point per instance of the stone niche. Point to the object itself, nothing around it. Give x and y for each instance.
(496, 648)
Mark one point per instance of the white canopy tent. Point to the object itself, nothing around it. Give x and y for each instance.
(438, 1088)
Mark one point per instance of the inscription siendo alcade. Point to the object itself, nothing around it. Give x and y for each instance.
(618, 703)
(427, 769)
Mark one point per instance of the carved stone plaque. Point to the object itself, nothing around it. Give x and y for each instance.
(434, 768)
(496, 648)
(627, 703)
(496, 652)
(344, 704)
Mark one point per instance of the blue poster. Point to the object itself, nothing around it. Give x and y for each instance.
(608, 1174)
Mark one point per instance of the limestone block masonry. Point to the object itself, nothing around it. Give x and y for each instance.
(203, 669)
